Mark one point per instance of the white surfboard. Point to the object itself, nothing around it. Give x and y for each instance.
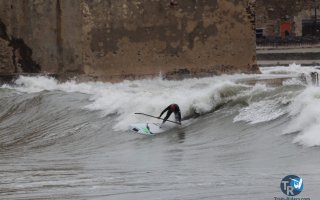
(150, 128)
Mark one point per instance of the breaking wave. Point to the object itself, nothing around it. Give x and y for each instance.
(47, 103)
(305, 113)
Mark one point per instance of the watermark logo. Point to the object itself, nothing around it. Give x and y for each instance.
(291, 185)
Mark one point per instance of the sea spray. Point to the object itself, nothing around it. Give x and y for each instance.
(305, 113)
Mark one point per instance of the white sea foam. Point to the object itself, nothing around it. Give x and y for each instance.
(305, 111)
(147, 96)
(296, 71)
(42, 83)
(152, 95)
(294, 81)
(261, 111)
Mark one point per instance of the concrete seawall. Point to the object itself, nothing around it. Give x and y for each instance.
(115, 40)
(305, 55)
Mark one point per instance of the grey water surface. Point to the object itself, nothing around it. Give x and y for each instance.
(52, 148)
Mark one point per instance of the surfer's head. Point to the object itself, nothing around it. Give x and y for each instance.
(173, 106)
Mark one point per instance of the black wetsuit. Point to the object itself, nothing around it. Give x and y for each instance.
(173, 108)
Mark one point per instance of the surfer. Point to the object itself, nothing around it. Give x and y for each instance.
(173, 108)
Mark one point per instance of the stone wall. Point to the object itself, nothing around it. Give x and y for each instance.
(109, 40)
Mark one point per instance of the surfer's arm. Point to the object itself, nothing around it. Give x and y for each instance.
(179, 116)
(166, 109)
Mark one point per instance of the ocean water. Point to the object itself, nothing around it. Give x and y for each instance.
(71, 141)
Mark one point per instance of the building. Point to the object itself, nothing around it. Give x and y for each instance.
(287, 18)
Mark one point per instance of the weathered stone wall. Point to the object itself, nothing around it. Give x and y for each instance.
(109, 39)
(5, 57)
(51, 29)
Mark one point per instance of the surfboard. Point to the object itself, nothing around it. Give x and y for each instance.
(149, 128)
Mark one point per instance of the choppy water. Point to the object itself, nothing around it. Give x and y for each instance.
(70, 140)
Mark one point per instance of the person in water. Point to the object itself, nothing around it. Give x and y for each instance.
(173, 108)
